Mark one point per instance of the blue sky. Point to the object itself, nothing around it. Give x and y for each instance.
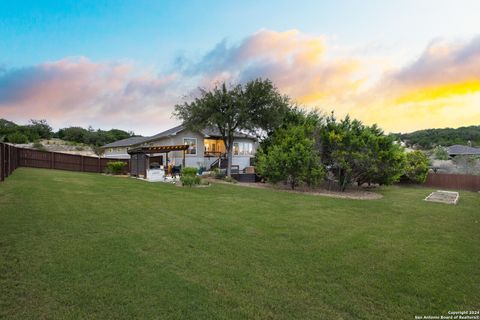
(154, 32)
(152, 36)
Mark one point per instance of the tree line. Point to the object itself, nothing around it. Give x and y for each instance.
(430, 138)
(36, 130)
(299, 147)
(311, 148)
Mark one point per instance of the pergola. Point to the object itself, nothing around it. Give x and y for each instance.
(139, 157)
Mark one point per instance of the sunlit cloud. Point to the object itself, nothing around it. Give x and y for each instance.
(297, 64)
(441, 87)
(77, 91)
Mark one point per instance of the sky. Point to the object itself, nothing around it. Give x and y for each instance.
(405, 65)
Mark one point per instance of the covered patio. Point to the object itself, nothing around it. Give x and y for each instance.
(142, 166)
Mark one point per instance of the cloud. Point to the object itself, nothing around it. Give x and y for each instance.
(297, 63)
(441, 87)
(77, 91)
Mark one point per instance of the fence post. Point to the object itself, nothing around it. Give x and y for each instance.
(81, 164)
(53, 160)
(99, 165)
(2, 155)
(6, 161)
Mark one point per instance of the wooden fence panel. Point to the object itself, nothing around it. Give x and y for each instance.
(35, 158)
(91, 164)
(453, 181)
(68, 162)
(2, 159)
(12, 157)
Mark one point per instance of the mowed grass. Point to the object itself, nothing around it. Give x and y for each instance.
(78, 245)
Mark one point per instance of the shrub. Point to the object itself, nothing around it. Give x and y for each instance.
(416, 167)
(440, 153)
(189, 177)
(189, 171)
(189, 180)
(115, 167)
(292, 158)
(218, 173)
(17, 137)
(39, 146)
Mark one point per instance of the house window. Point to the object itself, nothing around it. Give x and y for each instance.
(242, 149)
(235, 149)
(192, 143)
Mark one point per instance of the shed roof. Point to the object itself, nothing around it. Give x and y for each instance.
(463, 150)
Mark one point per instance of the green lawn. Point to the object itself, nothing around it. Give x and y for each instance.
(78, 245)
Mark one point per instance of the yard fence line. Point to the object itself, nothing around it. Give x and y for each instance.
(8, 160)
(453, 181)
(12, 157)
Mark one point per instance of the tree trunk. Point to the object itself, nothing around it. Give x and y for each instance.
(229, 147)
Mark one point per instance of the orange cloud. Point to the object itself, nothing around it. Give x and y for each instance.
(439, 92)
(440, 88)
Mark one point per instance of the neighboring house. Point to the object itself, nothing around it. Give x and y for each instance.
(206, 147)
(459, 150)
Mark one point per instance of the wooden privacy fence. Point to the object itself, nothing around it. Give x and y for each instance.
(12, 157)
(8, 160)
(453, 181)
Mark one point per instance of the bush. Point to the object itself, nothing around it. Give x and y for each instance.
(416, 167)
(115, 167)
(218, 173)
(17, 137)
(292, 158)
(189, 180)
(37, 145)
(189, 171)
(189, 177)
(440, 153)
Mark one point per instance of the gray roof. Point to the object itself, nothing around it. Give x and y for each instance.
(125, 142)
(463, 150)
(166, 133)
(213, 132)
(209, 132)
(173, 131)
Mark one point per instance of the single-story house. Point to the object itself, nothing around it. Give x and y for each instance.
(206, 148)
(459, 150)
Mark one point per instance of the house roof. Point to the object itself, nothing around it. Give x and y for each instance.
(463, 150)
(212, 132)
(166, 133)
(125, 142)
(209, 132)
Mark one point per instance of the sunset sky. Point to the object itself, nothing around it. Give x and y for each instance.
(405, 65)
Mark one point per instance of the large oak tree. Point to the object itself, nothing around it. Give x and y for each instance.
(252, 107)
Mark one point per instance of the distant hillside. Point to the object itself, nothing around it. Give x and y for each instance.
(430, 138)
(37, 130)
